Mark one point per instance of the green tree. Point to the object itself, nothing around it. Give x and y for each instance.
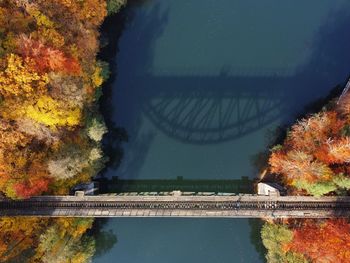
(316, 189)
(113, 6)
(96, 129)
(342, 181)
(274, 238)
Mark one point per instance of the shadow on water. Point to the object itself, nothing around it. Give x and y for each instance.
(203, 109)
(215, 108)
(329, 64)
(120, 185)
(255, 237)
(104, 239)
(149, 26)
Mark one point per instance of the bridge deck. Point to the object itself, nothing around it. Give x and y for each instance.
(179, 206)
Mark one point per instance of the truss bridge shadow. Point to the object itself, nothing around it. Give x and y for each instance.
(211, 109)
(200, 107)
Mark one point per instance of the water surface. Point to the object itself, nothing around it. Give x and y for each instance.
(199, 86)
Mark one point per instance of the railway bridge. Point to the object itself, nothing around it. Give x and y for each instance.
(177, 204)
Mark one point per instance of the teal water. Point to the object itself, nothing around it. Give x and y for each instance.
(199, 87)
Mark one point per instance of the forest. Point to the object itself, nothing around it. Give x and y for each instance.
(313, 160)
(50, 126)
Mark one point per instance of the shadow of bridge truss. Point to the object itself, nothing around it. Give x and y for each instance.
(201, 107)
(211, 109)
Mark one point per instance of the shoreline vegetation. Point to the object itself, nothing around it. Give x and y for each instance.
(50, 125)
(312, 160)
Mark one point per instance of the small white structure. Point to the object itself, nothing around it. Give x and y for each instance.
(176, 193)
(265, 188)
(90, 188)
(79, 193)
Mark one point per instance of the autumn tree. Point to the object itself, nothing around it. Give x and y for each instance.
(316, 149)
(67, 88)
(339, 150)
(308, 134)
(47, 58)
(64, 241)
(323, 242)
(39, 131)
(53, 113)
(21, 78)
(23, 173)
(299, 165)
(18, 234)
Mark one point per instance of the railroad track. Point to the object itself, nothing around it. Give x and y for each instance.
(179, 206)
(183, 205)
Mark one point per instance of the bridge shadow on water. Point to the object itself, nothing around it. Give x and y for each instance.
(120, 185)
(206, 108)
(198, 108)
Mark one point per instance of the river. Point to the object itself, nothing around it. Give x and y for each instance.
(200, 87)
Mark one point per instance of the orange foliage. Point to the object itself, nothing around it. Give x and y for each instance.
(323, 243)
(46, 58)
(308, 134)
(299, 165)
(313, 152)
(339, 150)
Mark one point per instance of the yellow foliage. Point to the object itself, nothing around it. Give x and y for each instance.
(23, 225)
(17, 235)
(87, 10)
(20, 78)
(73, 226)
(40, 18)
(74, 51)
(9, 43)
(53, 113)
(51, 36)
(97, 78)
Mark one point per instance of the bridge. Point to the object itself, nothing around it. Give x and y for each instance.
(177, 204)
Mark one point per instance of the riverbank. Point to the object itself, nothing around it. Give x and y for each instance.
(50, 125)
(312, 160)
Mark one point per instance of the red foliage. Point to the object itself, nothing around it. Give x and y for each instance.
(325, 242)
(32, 187)
(35, 183)
(47, 58)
